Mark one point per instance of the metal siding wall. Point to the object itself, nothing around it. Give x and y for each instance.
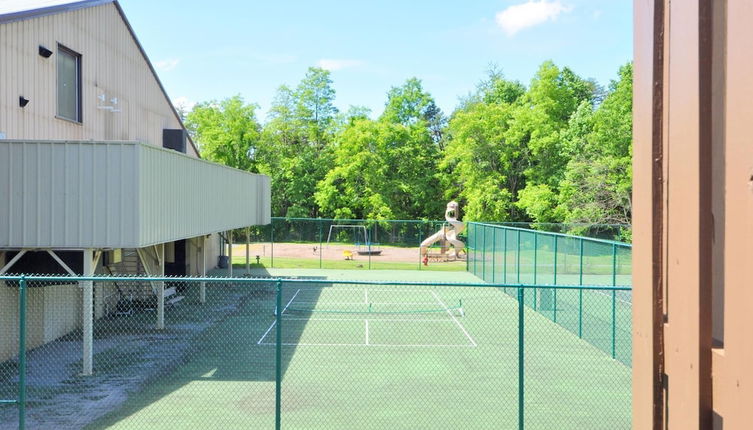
(112, 65)
(68, 194)
(182, 197)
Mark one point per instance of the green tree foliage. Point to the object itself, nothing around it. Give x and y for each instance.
(298, 140)
(558, 150)
(227, 132)
(409, 104)
(383, 170)
(597, 187)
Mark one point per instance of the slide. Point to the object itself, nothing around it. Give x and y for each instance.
(448, 234)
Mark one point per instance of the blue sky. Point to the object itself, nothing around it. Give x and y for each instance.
(207, 50)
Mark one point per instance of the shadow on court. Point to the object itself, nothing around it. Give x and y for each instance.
(225, 375)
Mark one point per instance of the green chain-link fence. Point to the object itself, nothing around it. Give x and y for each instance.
(362, 244)
(302, 354)
(501, 254)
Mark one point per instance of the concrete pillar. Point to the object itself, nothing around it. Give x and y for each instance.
(88, 313)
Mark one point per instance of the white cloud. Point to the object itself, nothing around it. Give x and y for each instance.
(166, 65)
(529, 14)
(332, 64)
(184, 104)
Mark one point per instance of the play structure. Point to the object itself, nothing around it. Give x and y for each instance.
(362, 242)
(447, 236)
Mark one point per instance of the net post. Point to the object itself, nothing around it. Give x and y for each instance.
(278, 357)
(521, 359)
(22, 353)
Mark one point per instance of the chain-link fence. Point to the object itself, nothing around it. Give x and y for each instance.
(501, 254)
(300, 354)
(363, 244)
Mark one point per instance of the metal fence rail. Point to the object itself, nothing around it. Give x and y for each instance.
(307, 353)
(502, 254)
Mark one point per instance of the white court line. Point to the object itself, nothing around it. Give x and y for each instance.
(324, 302)
(444, 320)
(367, 331)
(361, 289)
(275, 321)
(604, 292)
(453, 317)
(465, 345)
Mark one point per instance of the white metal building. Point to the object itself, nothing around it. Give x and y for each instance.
(95, 161)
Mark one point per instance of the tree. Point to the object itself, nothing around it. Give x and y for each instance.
(382, 170)
(483, 169)
(409, 104)
(314, 108)
(226, 132)
(597, 186)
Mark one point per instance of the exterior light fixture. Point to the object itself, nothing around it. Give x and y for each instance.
(23, 101)
(44, 52)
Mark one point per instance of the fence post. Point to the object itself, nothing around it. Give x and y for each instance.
(580, 292)
(521, 359)
(278, 356)
(554, 293)
(494, 254)
(614, 301)
(517, 264)
(535, 268)
(483, 257)
(504, 255)
(320, 243)
(22, 353)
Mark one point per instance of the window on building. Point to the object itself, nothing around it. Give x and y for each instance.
(69, 84)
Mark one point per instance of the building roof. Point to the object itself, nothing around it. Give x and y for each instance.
(19, 10)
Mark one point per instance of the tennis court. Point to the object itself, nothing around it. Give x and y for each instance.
(380, 356)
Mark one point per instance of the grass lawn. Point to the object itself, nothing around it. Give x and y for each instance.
(364, 357)
(360, 264)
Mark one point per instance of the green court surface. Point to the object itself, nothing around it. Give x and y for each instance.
(360, 356)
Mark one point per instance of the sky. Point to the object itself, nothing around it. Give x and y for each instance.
(210, 50)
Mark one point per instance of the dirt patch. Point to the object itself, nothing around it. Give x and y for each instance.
(328, 252)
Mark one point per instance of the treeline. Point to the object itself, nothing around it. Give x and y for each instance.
(556, 151)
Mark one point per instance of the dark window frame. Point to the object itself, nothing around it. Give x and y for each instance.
(79, 93)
